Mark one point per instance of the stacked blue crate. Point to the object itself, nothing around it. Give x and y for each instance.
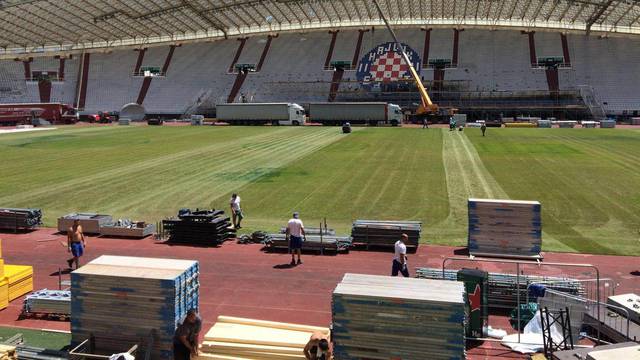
(505, 228)
(382, 317)
(123, 301)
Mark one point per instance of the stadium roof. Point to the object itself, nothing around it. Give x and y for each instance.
(45, 26)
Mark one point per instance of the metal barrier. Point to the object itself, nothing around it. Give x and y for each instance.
(518, 264)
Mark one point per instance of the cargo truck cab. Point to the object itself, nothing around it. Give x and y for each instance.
(395, 115)
(296, 115)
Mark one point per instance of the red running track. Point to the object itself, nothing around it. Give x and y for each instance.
(244, 281)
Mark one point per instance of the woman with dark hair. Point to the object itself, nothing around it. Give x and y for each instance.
(185, 340)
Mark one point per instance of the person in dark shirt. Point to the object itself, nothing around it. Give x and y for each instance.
(185, 340)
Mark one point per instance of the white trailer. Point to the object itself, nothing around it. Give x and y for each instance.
(368, 113)
(260, 113)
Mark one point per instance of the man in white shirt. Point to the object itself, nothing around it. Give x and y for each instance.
(236, 211)
(295, 232)
(400, 257)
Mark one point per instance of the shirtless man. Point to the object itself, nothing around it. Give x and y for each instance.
(75, 243)
(318, 348)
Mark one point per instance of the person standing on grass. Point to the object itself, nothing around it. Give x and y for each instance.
(236, 211)
(185, 340)
(483, 128)
(75, 243)
(400, 257)
(425, 124)
(295, 233)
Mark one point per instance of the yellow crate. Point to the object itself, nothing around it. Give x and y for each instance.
(1, 268)
(520, 125)
(17, 272)
(4, 293)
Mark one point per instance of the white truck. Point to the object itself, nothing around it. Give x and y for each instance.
(367, 113)
(260, 113)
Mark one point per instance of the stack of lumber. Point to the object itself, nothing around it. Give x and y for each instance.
(4, 283)
(312, 242)
(383, 317)
(90, 222)
(607, 124)
(7, 352)
(14, 218)
(121, 300)
(505, 228)
(20, 280)
(200, 227)
(503, 288)
(127, 228)
(385, 233)
(247, 339)
(313, 231)
(48, 302)
(35, 353)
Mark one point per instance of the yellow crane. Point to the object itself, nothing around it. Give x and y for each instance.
(426, 107)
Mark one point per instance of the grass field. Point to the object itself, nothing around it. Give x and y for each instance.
(588, 180)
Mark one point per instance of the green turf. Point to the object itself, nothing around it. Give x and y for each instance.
(586, 179)
(37, 338)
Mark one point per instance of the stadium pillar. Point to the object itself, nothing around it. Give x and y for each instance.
(425, 50)
(238, 52)
(167, 60)
(335, 84)
(532, 47)
(61, 68)
(552, 80)
(456, 45)
(565, 49)
(27, 68)
(84, 77)
(334, 36)
(265, 51)
(44, 89)
(141, 53)
(356, 53)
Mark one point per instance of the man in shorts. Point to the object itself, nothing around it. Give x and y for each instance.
(75, 243)
(236, 211)
(295, 233)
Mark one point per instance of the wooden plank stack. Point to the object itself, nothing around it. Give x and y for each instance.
(20, 280)
(312, 242)
(7, 352)
(121, 300)
(57, 302)
(17, 218)
(200, 227)
(383, 317)
(385, 233)
(505, 228)
(90, 222)
(238, 338)
(504, 288)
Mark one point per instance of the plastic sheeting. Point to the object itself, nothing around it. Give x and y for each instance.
(531, 338)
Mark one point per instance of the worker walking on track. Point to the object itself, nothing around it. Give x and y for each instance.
(236, 211)
(400, 257)
(318, 348)
(75, 243)
(295, 233)
(185, 340)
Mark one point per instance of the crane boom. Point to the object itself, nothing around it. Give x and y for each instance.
(427, 104)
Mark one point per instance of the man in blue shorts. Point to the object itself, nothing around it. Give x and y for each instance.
(295, 232)
(75, 243)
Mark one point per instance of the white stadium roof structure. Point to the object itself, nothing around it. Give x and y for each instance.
(59, 26)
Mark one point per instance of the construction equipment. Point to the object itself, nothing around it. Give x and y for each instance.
(426, 109)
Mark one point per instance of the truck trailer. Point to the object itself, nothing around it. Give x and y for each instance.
(29, 113)
(260, 113)
(365, 113)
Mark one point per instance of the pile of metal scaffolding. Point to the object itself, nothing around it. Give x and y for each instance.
(16, 218)
(385, 233)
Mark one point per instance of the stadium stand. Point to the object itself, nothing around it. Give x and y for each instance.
(293, 69)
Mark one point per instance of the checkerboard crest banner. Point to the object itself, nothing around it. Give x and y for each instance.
(384, 63)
